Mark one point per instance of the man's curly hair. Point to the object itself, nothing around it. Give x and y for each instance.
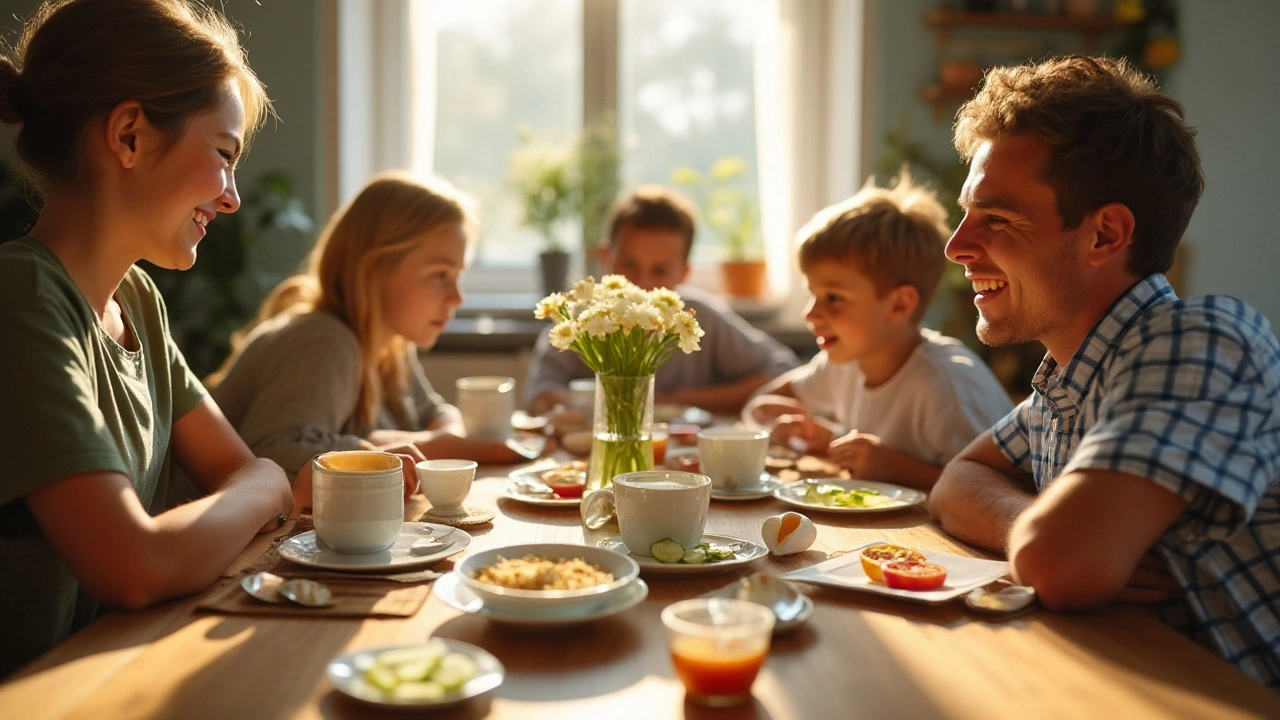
(1113, 138)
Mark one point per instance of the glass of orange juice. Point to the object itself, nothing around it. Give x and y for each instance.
(718, 646)
(659, 435)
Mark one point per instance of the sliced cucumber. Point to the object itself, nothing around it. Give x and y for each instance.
(667, 551)
(418, 691)
(696, 556)
(381, 677)
(454, 671)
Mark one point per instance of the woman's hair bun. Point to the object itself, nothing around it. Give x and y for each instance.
(9, 77)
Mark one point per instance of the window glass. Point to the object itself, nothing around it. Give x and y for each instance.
(504, 66)
(686, 94)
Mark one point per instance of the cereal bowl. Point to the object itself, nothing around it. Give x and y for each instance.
(551, 601)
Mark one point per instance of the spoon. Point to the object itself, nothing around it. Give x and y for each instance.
(790, 606)
(307, 593)
(263, 586)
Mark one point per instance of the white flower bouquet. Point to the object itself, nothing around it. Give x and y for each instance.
(624, 334)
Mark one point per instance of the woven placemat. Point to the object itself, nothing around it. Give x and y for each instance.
(471, 515)
(351, 599)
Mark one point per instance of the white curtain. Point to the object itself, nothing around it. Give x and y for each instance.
(808, 91)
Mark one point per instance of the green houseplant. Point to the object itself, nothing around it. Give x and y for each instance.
(560, 183)
(733, 215)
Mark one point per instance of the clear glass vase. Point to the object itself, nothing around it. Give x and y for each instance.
(622, 438)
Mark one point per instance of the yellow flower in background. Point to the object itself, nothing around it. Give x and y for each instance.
(728, 168)
(1130, 10)
(686, 176)
(1160, 53)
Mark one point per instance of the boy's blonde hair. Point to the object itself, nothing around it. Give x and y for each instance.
(894, 236)
(370, 235)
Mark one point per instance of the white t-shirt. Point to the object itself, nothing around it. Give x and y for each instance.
(937, 403)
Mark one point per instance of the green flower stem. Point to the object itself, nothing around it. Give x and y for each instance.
(622, 439)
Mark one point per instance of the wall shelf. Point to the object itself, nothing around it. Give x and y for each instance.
(944, 21)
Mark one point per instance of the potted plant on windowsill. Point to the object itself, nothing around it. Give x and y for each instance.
(734, 216)
(544, 175)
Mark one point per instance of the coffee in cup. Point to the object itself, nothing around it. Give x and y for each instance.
(357, 500)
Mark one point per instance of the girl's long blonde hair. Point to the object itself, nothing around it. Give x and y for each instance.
(389, 217)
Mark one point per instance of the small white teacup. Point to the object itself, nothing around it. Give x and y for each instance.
(733, 457)
(357, 500)
(486, 403)
(653, 505)
(446, 483)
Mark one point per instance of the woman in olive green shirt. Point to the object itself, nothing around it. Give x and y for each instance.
(133, 114)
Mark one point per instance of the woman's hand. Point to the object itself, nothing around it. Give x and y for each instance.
(410, 456)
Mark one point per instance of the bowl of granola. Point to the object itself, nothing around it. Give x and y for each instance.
(546, 579)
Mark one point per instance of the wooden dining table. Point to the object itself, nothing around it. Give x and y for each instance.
(858, 656)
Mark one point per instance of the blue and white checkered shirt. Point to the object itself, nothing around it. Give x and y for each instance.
(1186, 393)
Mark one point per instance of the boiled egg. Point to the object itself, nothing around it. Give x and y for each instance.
(788, 533)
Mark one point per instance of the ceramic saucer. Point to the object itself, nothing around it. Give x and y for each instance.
(456, 595)
(745, 551)
(418, 544)
(768, 483)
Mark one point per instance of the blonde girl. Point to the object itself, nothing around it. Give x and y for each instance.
(331, 362)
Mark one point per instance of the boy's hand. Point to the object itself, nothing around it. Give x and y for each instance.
(864, 456)
(804, 428)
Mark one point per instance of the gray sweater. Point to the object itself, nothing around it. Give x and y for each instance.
(292, 393)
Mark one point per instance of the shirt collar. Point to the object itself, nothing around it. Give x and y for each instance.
(1064, 390)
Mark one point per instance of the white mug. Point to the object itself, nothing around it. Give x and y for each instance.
(486, 403)
(733, 457)
(653, 505)
(582, 393)
(446, 483)
(357, 500)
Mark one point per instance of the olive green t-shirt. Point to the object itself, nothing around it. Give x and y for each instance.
(72, 400)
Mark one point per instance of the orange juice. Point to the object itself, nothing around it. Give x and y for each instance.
(709, 673)
(659, 450)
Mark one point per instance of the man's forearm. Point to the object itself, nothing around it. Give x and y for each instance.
(977, 504)
(726, 399)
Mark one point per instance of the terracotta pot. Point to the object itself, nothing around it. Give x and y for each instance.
(743, 278)
(959, 76)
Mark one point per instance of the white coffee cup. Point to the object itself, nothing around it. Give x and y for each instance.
(357, 500)
(653, 505)
(445, 484)
(582, 393)
(733, 457)
(486, 403)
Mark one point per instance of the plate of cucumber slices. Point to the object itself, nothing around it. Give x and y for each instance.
(433, 674)
(712, 554)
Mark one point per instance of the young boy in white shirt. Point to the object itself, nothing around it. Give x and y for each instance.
(885, 398)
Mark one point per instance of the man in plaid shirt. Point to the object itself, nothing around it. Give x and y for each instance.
(1145, 467)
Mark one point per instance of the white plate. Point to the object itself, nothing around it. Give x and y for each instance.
(516, 490)
(900, 497)
(769, 483)
(305, 549)
(686, 414)
(456, 595)
(963, 574)
(747, 552)
(346, 672)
